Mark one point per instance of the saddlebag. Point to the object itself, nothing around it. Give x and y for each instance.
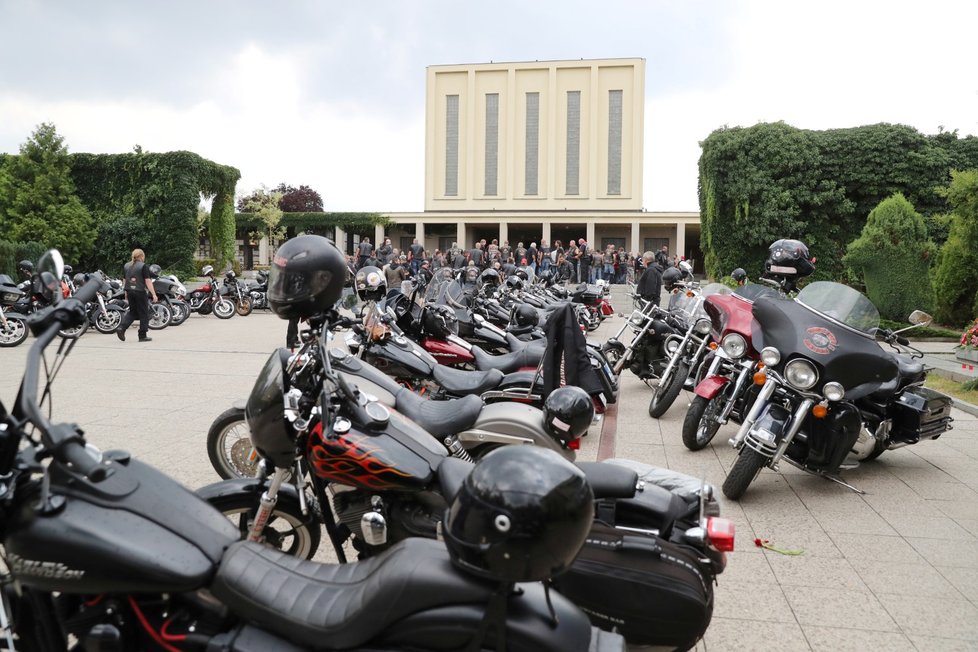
(920, 413)
(649, 590)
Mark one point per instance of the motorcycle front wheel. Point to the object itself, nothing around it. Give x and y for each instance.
(107, 322)
(244, 306)
(668, 389)
(181, 311)
(224, 309)
(229, 446)
(287, 529)
(702, 422)
(159, 316)
(748, 464)
(14, 332)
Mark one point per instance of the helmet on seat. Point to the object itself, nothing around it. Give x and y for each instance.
(370, 283)
(307, 277)
(207, 270)
(521, 515)
(525, 316)
(490, 277)
(671, 277)
(155, 270)
(79, 279)
(25, 268)
(739, 275)
(471, 274)
(788, 257)
(568, 412)
(514, 283)
(439, 321)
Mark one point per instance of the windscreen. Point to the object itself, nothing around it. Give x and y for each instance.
(842, 304)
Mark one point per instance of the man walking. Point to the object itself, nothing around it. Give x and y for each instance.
(138, 283)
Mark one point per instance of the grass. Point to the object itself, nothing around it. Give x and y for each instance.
(953, 388)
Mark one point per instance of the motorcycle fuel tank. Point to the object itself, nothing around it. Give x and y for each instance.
(447, 352)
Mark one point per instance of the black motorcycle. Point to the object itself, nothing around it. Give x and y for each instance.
(13, 326)
(102, 552)
(258, 291)
(832, 397)
(169, 289)
(237, 293)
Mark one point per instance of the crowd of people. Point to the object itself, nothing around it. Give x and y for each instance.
(575, 263)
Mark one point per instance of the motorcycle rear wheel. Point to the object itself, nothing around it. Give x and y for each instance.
(287, 529)
(701, 423)
(229, 446)
(14, 333)
(160, 316)
(747, 466)
(224, 309)
(244, 306)
(664, 396)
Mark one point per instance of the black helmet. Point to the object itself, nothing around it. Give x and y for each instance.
(155, 270)
(490, 277)
(788, 257)
(521, 515)
(439, 321)
(370, 283)
(25, 267)
(522, 274)
(471, 274)
(739, 275)
(568, 412)
(69, 269)
(307, 277)
(79, 279)
(671, 277)
(525, 316)
(514, 283)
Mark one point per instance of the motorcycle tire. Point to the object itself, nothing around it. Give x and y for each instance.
(14, 333)
(229, 446)
(181, 312)
(107, 322)
(701, 424)
(287, 529)
(665, 395)
(244, 306)
(224, 309)
(746, 467)
(159, 316)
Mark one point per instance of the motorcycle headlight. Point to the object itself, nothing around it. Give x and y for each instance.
(801, 374)
(703, 326)
(833, 391)
(770, 356)
(637, 318)
(734, 345)
(671, 345)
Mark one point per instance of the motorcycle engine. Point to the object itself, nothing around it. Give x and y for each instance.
(415, 515)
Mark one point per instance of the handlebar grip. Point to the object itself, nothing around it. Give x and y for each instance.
(901, 340)
(88, 291)
(82, 460)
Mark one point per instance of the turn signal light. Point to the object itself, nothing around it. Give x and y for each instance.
(713, 346)
(760, 378)
(720, 533)
(820, 411)
(760, 365)
(574, 444)
(690, 294)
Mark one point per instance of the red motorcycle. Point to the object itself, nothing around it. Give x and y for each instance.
(208, 298)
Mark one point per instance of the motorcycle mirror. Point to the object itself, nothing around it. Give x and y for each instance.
(50, 269)
(920, 318)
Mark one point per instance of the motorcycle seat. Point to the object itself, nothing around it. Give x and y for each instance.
(440, 418)
(508, 362)
(610, 480)
(909, 369)
(341, 605)
(460, 382)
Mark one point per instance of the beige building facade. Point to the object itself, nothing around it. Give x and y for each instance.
(548, 150)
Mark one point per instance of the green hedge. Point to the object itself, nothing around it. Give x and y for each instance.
(13, 252)
(314, 221)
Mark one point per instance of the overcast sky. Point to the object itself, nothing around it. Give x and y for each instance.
(331, 94)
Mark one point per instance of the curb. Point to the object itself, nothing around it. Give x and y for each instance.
(965, 407)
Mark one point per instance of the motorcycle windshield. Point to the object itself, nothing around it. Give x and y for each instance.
(444, 288)
(842, 304)
(753, 291)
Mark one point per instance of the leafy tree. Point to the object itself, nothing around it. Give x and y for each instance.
(299, 200)
(892, 256)
(955, 275)
(264, 205)
(118, 235)
(38, 200)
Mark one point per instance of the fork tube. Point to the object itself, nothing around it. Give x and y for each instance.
(796, 421)
(738, 387)
(762, 398)
(631, 346)
(266, 505)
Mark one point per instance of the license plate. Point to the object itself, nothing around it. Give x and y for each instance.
(778, 269)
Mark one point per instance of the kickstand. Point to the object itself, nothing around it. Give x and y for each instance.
(838, 480)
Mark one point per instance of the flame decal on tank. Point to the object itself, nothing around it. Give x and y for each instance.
(352, 459)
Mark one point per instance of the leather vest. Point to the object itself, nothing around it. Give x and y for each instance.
(134, 281)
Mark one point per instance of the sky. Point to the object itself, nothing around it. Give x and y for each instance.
(331, 94)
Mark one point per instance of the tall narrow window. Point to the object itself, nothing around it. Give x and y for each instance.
(614, 142)
(532, 143)
(492, 141)
(573, 142)
(451, 146)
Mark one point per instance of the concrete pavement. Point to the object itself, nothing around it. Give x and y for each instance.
(895, 569)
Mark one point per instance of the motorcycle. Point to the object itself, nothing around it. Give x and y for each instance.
(238, 294)
(646, 354)
(830, 396)
(13, 326)
(103, 552)
(258, 291)
(368, 469)
(208, 298)
(169, 289)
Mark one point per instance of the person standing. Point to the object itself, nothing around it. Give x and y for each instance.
(650, 284)
(417, 255)
(138, 283)
(384, 252)
(364, 250)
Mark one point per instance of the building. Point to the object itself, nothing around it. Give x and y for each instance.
(544, 149)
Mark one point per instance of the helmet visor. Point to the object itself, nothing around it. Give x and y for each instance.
(286, 287)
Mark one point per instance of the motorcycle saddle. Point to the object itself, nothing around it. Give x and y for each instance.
(909, 369)
(508, 362)
(340, 606)
(461, 382)
(440, 418)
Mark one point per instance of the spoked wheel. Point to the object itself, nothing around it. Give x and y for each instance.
(14, 332)
(229, 446)
(181, 311)
(159, 316)
(244, 306)
(748, 464)
(107, 322)
(287, 529)
(668, 389)
(224, 309)
(702, 421)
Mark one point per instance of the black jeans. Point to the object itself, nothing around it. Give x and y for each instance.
(138, 308)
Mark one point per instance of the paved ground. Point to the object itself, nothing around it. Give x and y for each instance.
(895, 569)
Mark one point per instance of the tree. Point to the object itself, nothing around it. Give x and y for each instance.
(892, 256)
(265, 206)
(955, 275)
(38, 200)
(299, 200)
